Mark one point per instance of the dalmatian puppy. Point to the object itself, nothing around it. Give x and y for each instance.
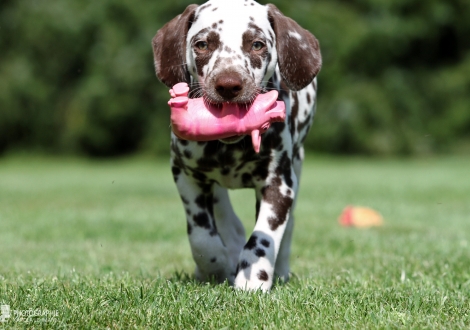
(231, 51)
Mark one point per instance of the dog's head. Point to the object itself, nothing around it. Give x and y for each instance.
(228, 50)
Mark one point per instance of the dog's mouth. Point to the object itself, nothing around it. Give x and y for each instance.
(242, 104)
(244, 100)
(197, 121)
(219, 105)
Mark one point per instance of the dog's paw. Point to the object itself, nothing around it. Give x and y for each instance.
(260, 281)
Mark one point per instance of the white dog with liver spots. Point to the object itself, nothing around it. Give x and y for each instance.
(231, 51)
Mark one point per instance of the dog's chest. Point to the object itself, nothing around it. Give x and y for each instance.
(229, 165)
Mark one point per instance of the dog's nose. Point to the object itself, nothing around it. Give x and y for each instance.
(228, 86)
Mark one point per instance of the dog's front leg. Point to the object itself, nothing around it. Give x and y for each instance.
(208, 249)
(258, 258)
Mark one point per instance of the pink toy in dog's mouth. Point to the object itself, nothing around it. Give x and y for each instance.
(193, 119)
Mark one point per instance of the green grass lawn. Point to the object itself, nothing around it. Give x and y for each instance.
(102, 244)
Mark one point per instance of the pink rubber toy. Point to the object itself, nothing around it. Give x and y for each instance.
(193, 119)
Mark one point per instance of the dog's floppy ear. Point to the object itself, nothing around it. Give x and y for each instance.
(298, 50)
(169, 48)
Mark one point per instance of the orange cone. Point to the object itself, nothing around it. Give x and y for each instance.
(354, 216)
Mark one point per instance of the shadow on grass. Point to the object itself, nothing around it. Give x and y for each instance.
(182, 277)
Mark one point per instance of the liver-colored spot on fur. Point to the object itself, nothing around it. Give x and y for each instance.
(201, 177)
(203, 56)
(265, 243)
(263, 276)
(260, 253)
(189, 228)
(188, 154)
(294, 113)
(246, 178)
(284, 169)
(202, 220)
(251, 244)
(244, 264)
(176, 172)
(248, 38)
(280, 204)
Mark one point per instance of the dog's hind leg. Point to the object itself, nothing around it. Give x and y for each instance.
(229, 227)
(208, 248)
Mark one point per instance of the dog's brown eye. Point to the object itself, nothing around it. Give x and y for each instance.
(257, 45)
(201, 45)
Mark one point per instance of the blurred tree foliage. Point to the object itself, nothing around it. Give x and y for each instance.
(78, 77)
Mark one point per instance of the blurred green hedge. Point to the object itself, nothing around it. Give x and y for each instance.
(78, 77)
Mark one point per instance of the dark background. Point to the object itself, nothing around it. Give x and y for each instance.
(77, 77)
